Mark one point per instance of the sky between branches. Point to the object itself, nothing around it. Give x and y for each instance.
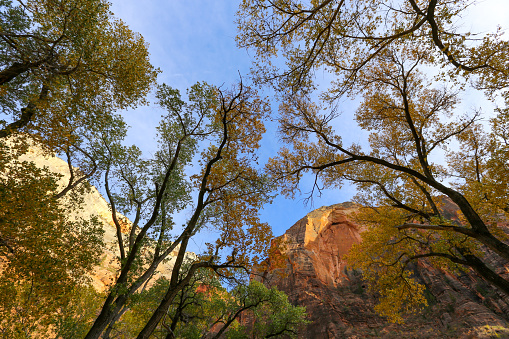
(194, 40)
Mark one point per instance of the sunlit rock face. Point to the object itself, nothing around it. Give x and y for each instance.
(338, 305)
(95, 205)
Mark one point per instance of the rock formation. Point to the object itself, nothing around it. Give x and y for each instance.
(95, 204)
(338, 305)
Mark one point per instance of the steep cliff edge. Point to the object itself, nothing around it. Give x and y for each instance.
(338, 306)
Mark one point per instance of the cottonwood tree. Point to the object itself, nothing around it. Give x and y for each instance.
(49, 241)
(65, 68)
(266, 313)
(205, 309)
(344, 36)
(409, 124)
(44, 253)
(375, 50)
(228, 190)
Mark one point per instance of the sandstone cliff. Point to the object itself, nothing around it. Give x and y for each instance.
(95, 204)
(338, 305)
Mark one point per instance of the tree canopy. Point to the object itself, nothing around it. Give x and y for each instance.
(66, 66)
(410, 166)
(217, 131)
(345, 36)
(46, 250)
(204, 308)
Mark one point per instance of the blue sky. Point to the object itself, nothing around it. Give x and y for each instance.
(193, 41)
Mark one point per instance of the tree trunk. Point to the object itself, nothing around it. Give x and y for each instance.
(117, 316)
(27, 114)
(174, 288)
(16, 69)
(489, 275)
(108, 313)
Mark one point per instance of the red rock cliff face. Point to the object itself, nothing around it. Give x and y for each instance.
(338, 306)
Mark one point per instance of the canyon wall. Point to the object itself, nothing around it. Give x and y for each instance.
(339, 306)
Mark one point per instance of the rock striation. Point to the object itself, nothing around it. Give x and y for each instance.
(338, 305)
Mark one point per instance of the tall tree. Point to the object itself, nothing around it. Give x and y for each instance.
(66, 66)
(375, 50)
(266, 313)
(45, 252)
(344, 36)
(205, 309)
(228, 191)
